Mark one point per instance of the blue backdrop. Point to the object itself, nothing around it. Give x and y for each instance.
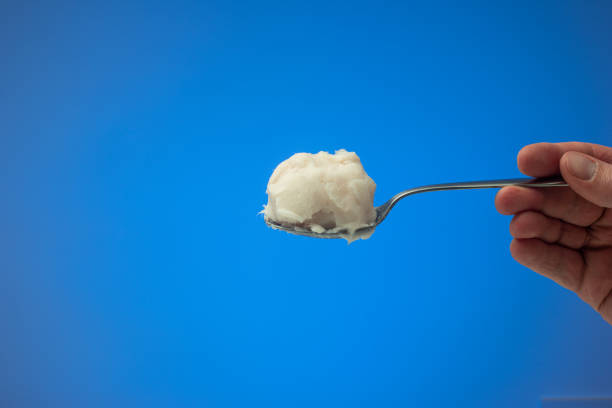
(137, 139)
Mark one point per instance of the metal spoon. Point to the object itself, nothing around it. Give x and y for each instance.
(383, 210)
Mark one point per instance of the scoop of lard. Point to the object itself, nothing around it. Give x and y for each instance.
(322, 193)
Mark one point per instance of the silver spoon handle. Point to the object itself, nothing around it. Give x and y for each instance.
(555, 181)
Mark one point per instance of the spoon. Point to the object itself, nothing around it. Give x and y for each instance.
(383, 210)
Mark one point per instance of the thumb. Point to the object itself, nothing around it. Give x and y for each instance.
(589, 177)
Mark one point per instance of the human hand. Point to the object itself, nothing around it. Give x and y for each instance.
(565, 233)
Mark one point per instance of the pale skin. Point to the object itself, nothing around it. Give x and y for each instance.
(565, 233)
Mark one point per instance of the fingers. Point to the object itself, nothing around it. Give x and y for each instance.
(563, 265)
(568, 268)
(555, 202)
(589, 177)
(596, 288)
(542, 159)
(531, 224)
(550, 223)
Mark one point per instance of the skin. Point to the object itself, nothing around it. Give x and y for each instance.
(565, 233)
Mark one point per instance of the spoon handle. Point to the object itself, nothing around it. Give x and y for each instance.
(555, 181)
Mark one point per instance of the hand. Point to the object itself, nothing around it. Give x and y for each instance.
(565, 233)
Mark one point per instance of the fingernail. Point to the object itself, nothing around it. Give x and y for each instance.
(580, 166)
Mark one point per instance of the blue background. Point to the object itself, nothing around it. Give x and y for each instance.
(137, 139)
